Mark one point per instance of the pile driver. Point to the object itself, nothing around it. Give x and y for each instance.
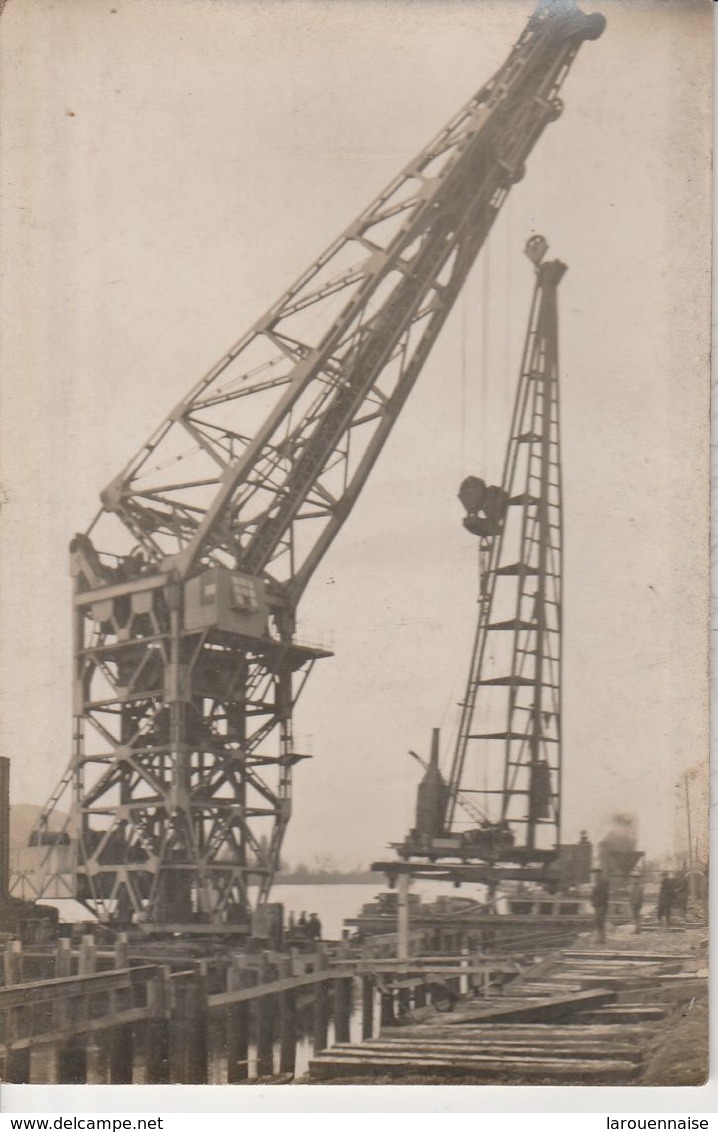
(506, 767)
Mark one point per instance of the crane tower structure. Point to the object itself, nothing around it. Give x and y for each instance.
(505, 775)
(187, 666)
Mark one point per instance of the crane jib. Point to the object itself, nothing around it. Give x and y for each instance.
(505, 121)
(455, 219)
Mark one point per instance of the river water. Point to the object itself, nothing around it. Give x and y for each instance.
(334, 903)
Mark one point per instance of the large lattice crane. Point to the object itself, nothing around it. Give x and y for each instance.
(187, 668)
(507, 760)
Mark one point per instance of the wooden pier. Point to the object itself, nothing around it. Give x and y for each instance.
(565, 1017)
(227, 1020)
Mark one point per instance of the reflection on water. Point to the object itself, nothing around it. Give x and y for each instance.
(217, 1066)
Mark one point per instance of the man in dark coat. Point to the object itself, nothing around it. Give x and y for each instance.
(635, 898)
(599, 901)
(665, 900)
(680, 894)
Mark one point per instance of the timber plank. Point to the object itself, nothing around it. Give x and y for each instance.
(560, 1006)
(518, 1051)
(624, 956)
(476, 1068)
(628, 1013)
(573, 1033)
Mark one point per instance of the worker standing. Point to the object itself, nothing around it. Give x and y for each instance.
(635, 897)
(665, 900)
(680, 895)
(599, 901)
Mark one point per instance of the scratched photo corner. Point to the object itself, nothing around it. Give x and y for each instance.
(354, 685)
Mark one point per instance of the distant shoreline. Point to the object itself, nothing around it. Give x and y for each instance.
(329, 878)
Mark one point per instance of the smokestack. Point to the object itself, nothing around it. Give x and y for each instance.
(434, 756)
(617, 852)
(622, 832)
(432, 795)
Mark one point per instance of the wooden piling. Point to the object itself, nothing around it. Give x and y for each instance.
(63, 958)
(180, 1036)
(155, 1031)
(387, 1007)
(237, 1037)
(196, 1045)
(287, 1033)
(188, 1032)
(72, 1062)
(342, 1009)
(60, 1023)
(402, 916)
(97, 1060)
(17, 1067)
(121, 951)
(419, 995)
(319, 1018)
(216, 1047)
(44, 1064)
(88, 956)
(367, 1008)
(265, 1008)
(237, 1032)
(12, 962)
(403, 1002)
(120, 1053)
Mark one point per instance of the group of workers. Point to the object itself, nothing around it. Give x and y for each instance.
(306, 927)
(672, 897)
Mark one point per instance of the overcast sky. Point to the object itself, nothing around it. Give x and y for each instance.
(171, 167)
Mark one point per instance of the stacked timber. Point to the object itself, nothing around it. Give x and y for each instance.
(581, 1017)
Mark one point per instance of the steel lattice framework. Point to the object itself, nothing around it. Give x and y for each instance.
(187, 669)
(508, 750)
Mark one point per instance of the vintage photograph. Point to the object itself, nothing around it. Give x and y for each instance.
(354, 491)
